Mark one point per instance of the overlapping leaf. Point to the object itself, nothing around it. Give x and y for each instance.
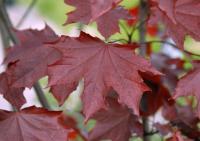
(101, 11)
(13, 95)
(189, 85)
(31, 57)
(31, 124)
(181, 18)
(183, 117)
(89, 10)
(61, 92)
(103, 66)
(153, 100)
(115, 123)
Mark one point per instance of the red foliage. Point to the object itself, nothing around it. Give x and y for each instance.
(104, 12)
(103, 66)
(111, 121)
(31, 124)
(120, 86)
(188, 85)
(181, 18)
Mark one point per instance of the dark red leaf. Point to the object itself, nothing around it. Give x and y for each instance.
(115, 123)
(89, 10)
(183, 118)
(108, 23)
(102, 66)
(70, 123)
(189, 85)
(31, 57)
(181, 18)
(101, 11)
(13, 95)
(31, 124)
(61, 92)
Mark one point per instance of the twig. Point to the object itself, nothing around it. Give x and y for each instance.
(186, 53)
(7, 23)
(9, 28)
(134, 29)
(124, 28)
(142, 17)
(26, 13)
(160, 41)
(4, 34)
(41, 96)
(118, 40)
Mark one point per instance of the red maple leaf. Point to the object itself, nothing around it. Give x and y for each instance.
(183, 117)
(89, 10)
(115, 123)
(101, 11)
(61, 92)
(13, 95)
(103, 66)
(189, 85)
(31, 124)
(108, 23)
(181, 18)
(31, 57)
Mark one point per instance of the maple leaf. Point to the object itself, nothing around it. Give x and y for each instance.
(180, 17)
(108, 23)
(183, 117)
(111, 121)
(31, 57)
(31, 124)
(101, 11)
(89, 10)
(61, 92)
(103, 66)
(188, 85)
(69, 122)
(13, 95)
(167, 6)
(153, 100)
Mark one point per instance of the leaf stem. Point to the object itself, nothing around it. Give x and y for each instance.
(142, 28)
(26, 13)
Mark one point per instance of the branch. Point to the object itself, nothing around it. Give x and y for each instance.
(4, 34)
(9, 29)
(26, 13)
(142, 33)
(142, 28)
(7, 23)
(160, 41)
(41, 96)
